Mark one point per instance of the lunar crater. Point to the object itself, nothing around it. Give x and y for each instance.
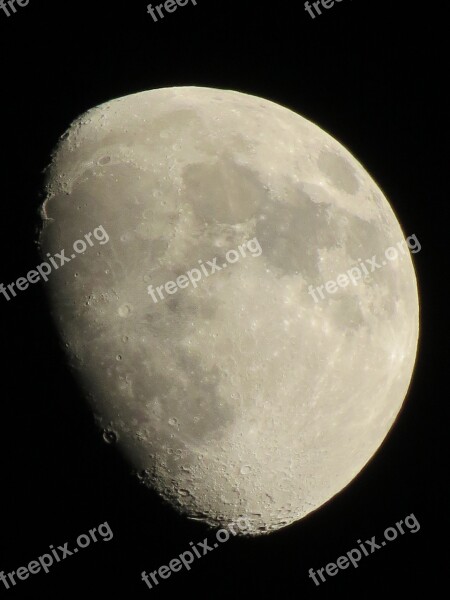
(240, 396)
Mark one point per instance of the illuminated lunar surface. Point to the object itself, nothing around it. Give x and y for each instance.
(242, 396)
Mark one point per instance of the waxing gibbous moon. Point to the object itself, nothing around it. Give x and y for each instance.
(242, 395)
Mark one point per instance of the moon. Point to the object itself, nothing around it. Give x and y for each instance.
(241, 395)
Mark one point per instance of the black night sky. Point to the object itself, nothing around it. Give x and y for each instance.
(371, 74)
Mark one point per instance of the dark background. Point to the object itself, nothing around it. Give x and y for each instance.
(370, 74)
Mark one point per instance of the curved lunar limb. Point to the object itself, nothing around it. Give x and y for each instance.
(245, 394)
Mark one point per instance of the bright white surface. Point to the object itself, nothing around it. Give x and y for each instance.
(243, 396)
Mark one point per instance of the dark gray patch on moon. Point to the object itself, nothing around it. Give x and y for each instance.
(223, 191)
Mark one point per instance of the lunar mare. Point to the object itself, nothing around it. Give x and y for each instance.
(241, 397)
